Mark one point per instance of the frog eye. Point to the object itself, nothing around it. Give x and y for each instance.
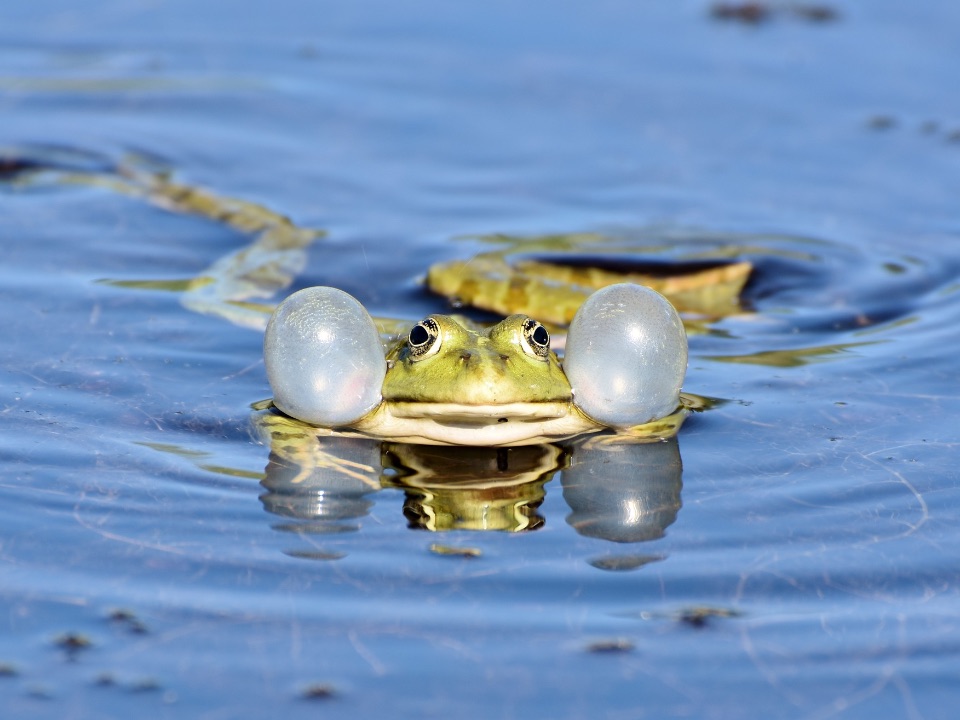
(424, 339)
(324, 358)
(626, 356)
(536, 339)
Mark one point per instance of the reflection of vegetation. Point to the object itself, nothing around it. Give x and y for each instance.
(228, 288)
(177, 286)
(795, 357)
(450, 550)
(302, 448)
(196, 456)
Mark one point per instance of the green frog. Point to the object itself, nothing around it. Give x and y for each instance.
(451, 382)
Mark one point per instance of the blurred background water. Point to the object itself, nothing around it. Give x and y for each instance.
(799, 561)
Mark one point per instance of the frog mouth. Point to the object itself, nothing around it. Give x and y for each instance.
(488, 414)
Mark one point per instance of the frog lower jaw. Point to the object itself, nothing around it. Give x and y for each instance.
(479, 426)
(485, 414)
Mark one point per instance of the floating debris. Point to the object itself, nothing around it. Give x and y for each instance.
(882, 122)
(815, 13)
(610, 646)
(73, 643)
(438, 549)
(753, 13)
(747, 12)
(128, 618)
(699, 616)
(318, 691)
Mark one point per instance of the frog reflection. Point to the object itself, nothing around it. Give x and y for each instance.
(624, 493)
(321, 489)
(472, 488)
(618, 492)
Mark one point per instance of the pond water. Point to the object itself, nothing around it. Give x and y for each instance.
(791, 554)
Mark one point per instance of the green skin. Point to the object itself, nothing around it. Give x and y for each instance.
(474, 366)
(476, 386)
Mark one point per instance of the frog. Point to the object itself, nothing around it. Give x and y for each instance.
(452, 382)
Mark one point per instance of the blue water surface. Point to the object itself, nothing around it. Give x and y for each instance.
(804, 566)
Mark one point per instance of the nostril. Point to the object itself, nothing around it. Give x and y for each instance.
(466, 355)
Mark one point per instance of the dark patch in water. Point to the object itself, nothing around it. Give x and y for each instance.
(613, 646)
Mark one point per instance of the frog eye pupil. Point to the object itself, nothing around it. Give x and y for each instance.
(537, 338)
(540, 336)
(419, 335)
(423, 339)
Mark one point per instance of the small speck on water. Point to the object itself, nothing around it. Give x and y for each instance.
(438, 549)
(700, 616)
(73, 642)
(747, 12)
(8, 670)
(881, 122)
(815, 13)
(145, 685)
(38, 692)
(105, 679)
(128, 618)
(610, 646)
(318, 691)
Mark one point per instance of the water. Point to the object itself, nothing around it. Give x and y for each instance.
(801, 566)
